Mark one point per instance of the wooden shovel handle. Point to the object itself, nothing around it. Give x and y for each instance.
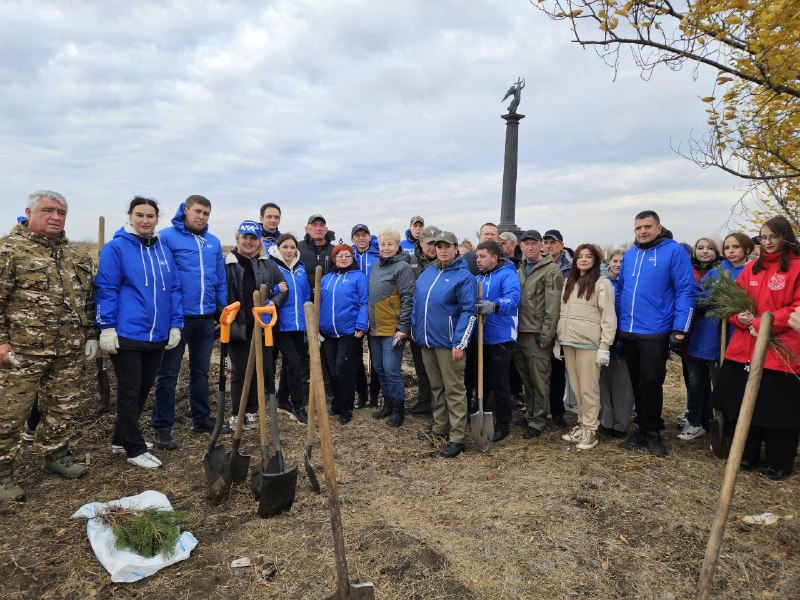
(342, 579)
(312, 408)
(480, 349)
(262, 417)
(735, 457)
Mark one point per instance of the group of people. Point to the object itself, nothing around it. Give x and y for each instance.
(555, 323)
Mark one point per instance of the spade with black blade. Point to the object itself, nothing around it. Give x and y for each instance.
(273, 485)
(215, 462)
(482, 422)
(103, 385)
(310, 472)
(240, 463)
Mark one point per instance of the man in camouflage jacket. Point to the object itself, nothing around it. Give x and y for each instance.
(46, 328)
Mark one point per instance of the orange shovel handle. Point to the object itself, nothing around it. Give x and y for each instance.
(225, 319)
(267, 327)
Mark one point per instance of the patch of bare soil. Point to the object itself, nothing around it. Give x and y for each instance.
(528, 519)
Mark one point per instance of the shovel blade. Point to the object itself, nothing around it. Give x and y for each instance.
(239, 463)
(218, 475)
(358, 591)
(482, 429)
(276, 492)
(310, 472)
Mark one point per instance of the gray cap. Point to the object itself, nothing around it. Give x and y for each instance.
(430, 234)
(317, 217)
(531, 234)
(507, 235)
(447, 236)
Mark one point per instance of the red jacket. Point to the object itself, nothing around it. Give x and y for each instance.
(779, 293)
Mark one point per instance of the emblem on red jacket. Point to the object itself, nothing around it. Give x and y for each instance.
(777, 282)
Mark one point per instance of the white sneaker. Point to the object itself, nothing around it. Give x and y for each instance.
(145, 461)
(588, 440)
(691, 433)
(574, 435)
(682, 420)
(121, 449)
(250, 421)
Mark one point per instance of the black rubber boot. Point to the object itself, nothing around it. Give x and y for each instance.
(384, 411)
(164, 440)
(398, 415)
(420, 409)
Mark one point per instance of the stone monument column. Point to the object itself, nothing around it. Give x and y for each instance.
(509, 198)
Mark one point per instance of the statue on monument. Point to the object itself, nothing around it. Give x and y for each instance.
(516, 91)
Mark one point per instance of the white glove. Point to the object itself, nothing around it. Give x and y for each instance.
(108, 340)
(603, 358)
(557, 350)
(91, 348)
(174, 338)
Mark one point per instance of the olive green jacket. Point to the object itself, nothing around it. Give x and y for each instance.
(540, 298)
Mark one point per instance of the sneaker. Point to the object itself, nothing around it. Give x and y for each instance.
(682, 420)
(636, 440)
(145, 461)
(250, 421)
(300, 415)
(690, 432)
(121, 449)
(574, 435)
(286, 409)
(28, 435)
(164, 440)
(60, 462)
(588, 440)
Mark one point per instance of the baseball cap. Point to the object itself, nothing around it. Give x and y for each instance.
(416, 219)
(447, 236)
(316, 217)
(554, 234)
(249, 228)
(429, 234)
(507, 235)
(531, 234)
(359, 227)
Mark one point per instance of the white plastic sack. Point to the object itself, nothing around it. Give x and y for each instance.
(125, 565)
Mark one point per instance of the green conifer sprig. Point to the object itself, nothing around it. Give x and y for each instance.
(148, 531)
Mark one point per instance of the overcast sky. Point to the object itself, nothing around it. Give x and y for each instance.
(363, 110)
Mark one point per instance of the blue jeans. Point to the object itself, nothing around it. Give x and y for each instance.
(198, 334)
(386, 362)
(697, 377)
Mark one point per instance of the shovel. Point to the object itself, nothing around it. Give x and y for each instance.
(482, 422)
(103, 385)
(344, 589)
(240, 463)
(273, 486)
(310, 472)
(215, 463)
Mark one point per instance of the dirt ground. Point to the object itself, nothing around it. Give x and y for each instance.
(528, 519)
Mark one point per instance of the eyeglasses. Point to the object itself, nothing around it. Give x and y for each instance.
(770, 238)
(343, 255)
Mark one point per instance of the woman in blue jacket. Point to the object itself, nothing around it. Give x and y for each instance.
(290, 336)
(343, 320)
(139, 312)
(442, 322)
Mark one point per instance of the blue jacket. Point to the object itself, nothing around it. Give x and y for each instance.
(369, 257)
(407, 243)
(291, 316)
(137, 288)
(656, 290)
(444, 306)
(344, 305)
(198, 258)
(501, 286)
(615, 349)
(268, 238)
(734, 272)
(704, 338)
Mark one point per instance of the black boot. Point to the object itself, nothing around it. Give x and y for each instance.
(164, 440)
(398, 415)
(500, 432)
(655, 445)
(421, 408)
(385, 410)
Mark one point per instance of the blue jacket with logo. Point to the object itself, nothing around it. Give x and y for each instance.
(198, 258)
(501, 286)
(656, 290)
(137, 288)
(268, 238)
(407, 243)
(291, 316)
(344, 303)
(704, 337)
(369, 257)
(444, 306)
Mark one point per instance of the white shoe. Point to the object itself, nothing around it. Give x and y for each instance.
(121, 449)
(574, 435)
(681, 420)
(588, 440)
(691, 433)
(250, 421)
(145, 461)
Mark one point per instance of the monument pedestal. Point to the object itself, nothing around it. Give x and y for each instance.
(509, 199)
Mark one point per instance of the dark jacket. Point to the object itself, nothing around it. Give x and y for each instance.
(419, 262)
(312, 256)
(265, 272)
(391, 295)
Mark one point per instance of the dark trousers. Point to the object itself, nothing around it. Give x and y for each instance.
(647, 366)
(780, 447)
(423, 383)
(471, 371)
(135, 371)
(496, 369)
(515, 381)
(239, 353)
(558, 383)
(374, 384)
(342, 356)
(198, 334)
(294, 351)
(697, 377)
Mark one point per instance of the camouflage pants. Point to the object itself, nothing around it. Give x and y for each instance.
(58, 381)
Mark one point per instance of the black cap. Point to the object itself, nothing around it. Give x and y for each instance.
(317, 217)
(531, 234)
(554, 234)
(359, 227)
